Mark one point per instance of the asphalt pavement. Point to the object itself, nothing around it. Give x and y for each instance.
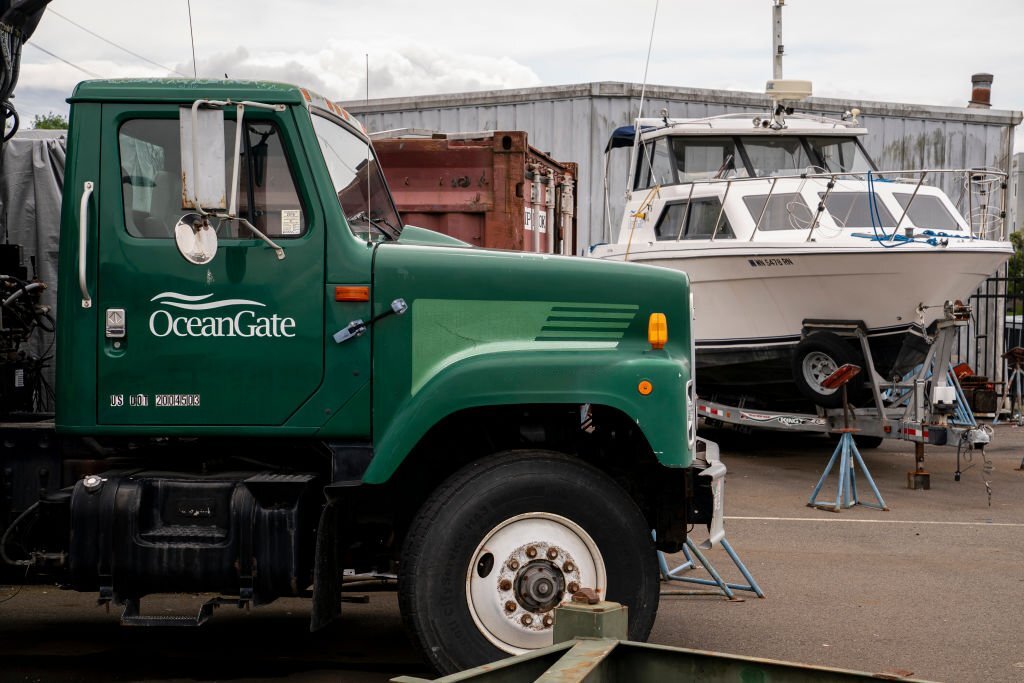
(934, 586)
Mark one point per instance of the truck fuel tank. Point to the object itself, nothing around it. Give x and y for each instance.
(148, 532)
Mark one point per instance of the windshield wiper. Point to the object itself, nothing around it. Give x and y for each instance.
(391, 230)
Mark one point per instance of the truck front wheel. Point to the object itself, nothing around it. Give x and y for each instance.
(507, 539)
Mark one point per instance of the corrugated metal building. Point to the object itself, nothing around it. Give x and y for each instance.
(573, 122)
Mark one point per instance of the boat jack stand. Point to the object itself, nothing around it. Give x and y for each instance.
(847, 454)
(846, 497)
(692, 553)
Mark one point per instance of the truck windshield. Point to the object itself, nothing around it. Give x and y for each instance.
(358, 181)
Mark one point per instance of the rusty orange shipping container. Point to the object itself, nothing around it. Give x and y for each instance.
(489, 189)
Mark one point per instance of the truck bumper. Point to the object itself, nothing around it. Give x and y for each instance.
(715, 472)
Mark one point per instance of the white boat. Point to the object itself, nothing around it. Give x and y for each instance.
(782, 222)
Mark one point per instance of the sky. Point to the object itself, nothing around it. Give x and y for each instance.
(912, 51)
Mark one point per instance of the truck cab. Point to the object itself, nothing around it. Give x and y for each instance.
(286, 385)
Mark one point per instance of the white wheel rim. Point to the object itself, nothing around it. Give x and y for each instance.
(556, 543)
(817, 366)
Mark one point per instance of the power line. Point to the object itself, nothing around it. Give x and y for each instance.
(72, 64)
(120, 47)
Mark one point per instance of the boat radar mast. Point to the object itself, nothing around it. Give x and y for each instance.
(782, 90)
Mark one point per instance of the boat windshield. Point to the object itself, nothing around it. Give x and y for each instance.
(778, 156)
(706, 158)
(358, 181)
(840, 155)
(696, 158)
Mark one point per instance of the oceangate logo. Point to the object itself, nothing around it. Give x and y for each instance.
(242, 323)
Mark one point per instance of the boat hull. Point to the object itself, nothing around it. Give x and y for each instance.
(751, 305)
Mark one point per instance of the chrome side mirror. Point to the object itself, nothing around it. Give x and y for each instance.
(203, 157)
(195, 238)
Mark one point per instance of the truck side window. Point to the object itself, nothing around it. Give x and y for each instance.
(151, 180)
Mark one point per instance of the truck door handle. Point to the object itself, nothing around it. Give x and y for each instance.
(83, 226)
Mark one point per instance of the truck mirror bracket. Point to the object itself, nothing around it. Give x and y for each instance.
(190, 191)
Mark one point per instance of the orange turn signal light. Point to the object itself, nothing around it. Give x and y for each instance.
(657, 330)
(645, 388)
(343, 293)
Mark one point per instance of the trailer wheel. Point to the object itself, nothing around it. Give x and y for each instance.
(507, 539)
(867, 442)
(816, 357)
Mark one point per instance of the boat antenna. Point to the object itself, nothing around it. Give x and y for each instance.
(643, 93)
(783, 93)
(778, 49)
(369, 176)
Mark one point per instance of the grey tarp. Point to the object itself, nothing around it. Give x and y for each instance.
(31, 182)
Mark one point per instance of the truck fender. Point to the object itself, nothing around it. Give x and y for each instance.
(605, 377)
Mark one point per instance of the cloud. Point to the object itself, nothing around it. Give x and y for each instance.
(265, 66)
(339, 72)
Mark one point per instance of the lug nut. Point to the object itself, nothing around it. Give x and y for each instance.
(552, 553)
(510, 606)
(505, 585)
(531, 552)
(568, 567)
(548, 621)
(527, 619)
(513, 564)
(573, 587)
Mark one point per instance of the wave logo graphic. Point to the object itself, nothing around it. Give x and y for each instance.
(199, 303)
(216, 322)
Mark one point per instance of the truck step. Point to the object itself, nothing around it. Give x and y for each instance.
(131, 617)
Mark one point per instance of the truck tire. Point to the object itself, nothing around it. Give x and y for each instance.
(816, 357)
(500, 544)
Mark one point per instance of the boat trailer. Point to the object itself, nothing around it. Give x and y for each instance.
(926, 406)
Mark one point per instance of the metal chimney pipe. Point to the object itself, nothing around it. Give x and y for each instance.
(981, 92)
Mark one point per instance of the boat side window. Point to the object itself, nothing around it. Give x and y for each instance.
(655, 165)
(927, 211)
(840, 155)
(705, 158)
(777, 156)
(854, 210)
(785, 211)
(699, 220)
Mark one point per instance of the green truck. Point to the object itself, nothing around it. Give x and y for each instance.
(268, 386)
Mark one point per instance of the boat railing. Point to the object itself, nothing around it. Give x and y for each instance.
(981, 186)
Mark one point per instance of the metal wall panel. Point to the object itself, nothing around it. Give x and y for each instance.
(573, 123)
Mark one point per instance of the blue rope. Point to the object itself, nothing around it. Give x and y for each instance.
(876, 220)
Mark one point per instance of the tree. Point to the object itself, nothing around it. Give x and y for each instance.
(51, 121)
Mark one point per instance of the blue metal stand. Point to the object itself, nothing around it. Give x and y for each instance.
(848, 455)
(690, 551)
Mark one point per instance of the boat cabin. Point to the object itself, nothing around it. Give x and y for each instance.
(735, 177)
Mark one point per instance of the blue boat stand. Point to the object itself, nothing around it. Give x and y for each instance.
(846, 497)
(692, 553)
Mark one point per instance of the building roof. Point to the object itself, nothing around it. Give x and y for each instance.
(616, 89)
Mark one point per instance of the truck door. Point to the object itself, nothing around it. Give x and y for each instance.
(235, 341)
